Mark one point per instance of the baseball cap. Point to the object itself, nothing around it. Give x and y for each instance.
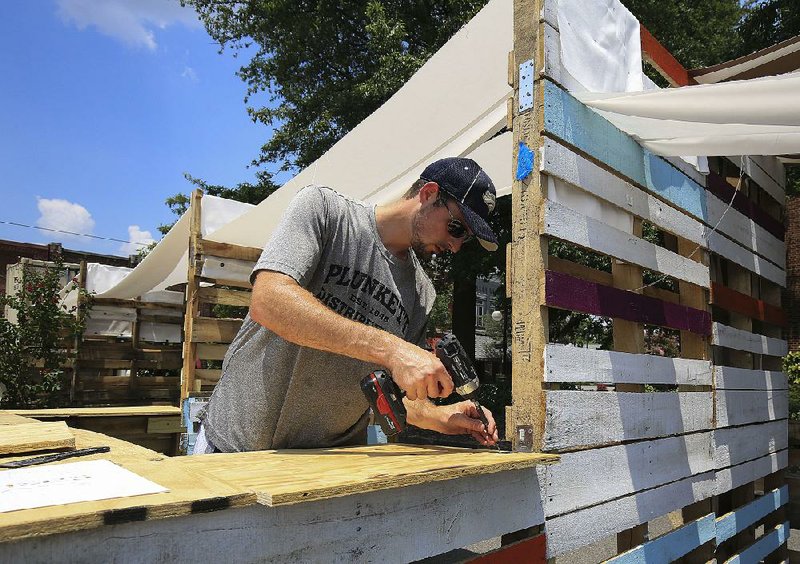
(472, 189)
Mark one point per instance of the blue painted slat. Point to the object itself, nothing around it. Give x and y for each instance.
(732, 523)
(570, 120)
(671, 546)
(765, 546)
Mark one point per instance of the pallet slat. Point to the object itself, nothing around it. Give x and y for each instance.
(728, 479)
(577, 419)
(567, 292)
(599, 521)
(211, 330)
(729, 378)
(740, 407)
(734, 522)
(739, 339)
(673, 545)
(565, 363)
(738, 302)
(737, 445)
(763, 547)
(562, 163)
(563, 223)
(588, 477)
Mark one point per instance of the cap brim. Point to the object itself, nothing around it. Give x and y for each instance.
(480, 229)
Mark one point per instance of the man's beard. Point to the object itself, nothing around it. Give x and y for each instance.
(416, 242)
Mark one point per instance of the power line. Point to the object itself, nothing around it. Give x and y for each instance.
(73, 233)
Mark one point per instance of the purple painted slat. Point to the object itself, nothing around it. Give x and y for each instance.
(724, 191)
(568, 292)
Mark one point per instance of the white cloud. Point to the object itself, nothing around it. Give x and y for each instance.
(136, 235)
(131, 21)
(64, 216)
(190, 74)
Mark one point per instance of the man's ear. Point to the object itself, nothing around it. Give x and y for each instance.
(428, 192)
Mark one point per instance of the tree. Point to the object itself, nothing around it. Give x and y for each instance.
(698, 34)
(326, 66)
(34, 351)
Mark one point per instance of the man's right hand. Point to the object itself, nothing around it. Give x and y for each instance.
(419, 373)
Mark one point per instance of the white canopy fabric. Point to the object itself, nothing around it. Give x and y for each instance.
(750, 117)
(456, 105)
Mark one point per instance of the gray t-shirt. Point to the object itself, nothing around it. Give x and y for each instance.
(275, 394)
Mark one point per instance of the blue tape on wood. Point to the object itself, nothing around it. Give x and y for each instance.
(568, 119)
(524, 161)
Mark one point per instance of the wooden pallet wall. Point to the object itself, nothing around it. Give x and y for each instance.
(135, 370)
(219, 275)
(701, 438)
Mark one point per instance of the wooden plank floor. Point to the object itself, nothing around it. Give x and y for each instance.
(213, 482)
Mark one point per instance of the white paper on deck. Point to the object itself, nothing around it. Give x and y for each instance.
(91, 480)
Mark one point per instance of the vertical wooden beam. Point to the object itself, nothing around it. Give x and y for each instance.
(192, 303)
(529, 248)
(692, 344)
(629, 337)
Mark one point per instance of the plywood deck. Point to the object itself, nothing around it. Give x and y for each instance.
(219, 481)
(33, 436)
(292, 476)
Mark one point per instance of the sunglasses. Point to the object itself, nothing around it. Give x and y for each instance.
(456, 227)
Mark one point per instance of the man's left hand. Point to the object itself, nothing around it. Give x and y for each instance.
(456, 419)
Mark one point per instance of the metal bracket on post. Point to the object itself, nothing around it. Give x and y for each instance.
(526, 86)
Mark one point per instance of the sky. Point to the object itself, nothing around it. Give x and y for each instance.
(104, 105)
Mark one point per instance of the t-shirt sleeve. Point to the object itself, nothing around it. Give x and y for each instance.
(297, 242)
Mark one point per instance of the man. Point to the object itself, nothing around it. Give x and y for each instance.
(337, 293)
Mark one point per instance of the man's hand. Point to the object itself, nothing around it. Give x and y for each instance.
(419, 373)
(456, 419)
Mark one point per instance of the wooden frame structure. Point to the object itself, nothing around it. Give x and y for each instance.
(99, 358)
(698, 441)
(218, 275)
(693, 437)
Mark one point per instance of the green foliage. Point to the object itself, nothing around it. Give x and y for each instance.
(243, 192)
(791, 366)
(326, 66)
(35, 349)
(767, 23)
(697, 33)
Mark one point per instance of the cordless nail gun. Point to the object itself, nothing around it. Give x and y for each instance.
(386, 397)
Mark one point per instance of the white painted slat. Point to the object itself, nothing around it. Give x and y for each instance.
(562, 163)
(588, 477)
(730, 478)
(729, 378)
(550, 12)
(563, 223)
(552, 53)
(740, 407)
(741, 340)
(745, 231)
(734, 252)
(399, 525)
(736, 445)
(755, 168)
(566, 363)
(577, 419)
(580, 528)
